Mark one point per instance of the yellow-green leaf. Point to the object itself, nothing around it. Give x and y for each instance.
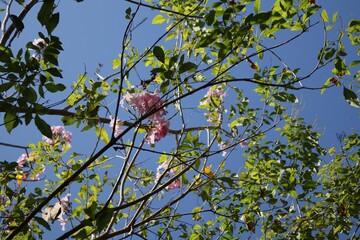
(324, 16)
(102, 134)
(257, 6)
(116, 63)
(334, 17)
(158, 19)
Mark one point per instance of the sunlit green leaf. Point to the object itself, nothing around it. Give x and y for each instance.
(102, 134)
(324, 16)
(256, 6)
(158, 19)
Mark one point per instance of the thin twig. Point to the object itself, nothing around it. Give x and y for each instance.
(161, 9)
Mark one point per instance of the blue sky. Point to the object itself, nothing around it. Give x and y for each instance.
(91, 33)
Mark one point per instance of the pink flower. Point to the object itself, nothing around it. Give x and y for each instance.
(172, 172)
(59, 134)
(40, 43)
(158, 131)
(117, 126)
(65, 204)
(22, 161)
(213, 93)
(145, 102)
(175, 184)
(243, 143)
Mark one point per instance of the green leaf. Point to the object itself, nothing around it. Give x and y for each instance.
(159, 53)
(103, 219)
(171, 36)
(326, 84)
(54, 71)
(158, 19)
(256, 6)
(10, 119)
(42, 222)
(45, 12)
(285, 97)
(116, 63)
(259, 50)
(210, 18)
(352, 64)
(5, 54)
(30, 95)
(51, 87)
(43, 127)
(324, 16)
(187, 66)
(260, 18)
(52, 23)
(6, 86)
(164, 86)
(60, 87)
(351, 97)
(102, 134)
(91, 210)
(334, 17)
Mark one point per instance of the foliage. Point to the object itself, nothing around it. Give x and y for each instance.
(193, 117)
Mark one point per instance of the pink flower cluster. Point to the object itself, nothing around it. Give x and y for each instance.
(213, 93)
(24, 162)
(40, 45)
(158, 130)
(56, 212)
(59, 134)
(65, 204)
(160, 171)
(144, 103)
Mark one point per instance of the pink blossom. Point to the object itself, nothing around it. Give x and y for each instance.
(175, 184)
(213, 93)
(117, 126)
(145, 102)
(59, 134)
(40, 43)
(56, 212)
(158, 131)
(243, 143)
(65, 204)
(171, 173)
(22, 161)
(162, 166)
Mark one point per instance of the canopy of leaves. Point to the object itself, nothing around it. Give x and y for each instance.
(210, 144)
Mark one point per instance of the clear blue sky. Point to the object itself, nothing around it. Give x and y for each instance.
(91, 33)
